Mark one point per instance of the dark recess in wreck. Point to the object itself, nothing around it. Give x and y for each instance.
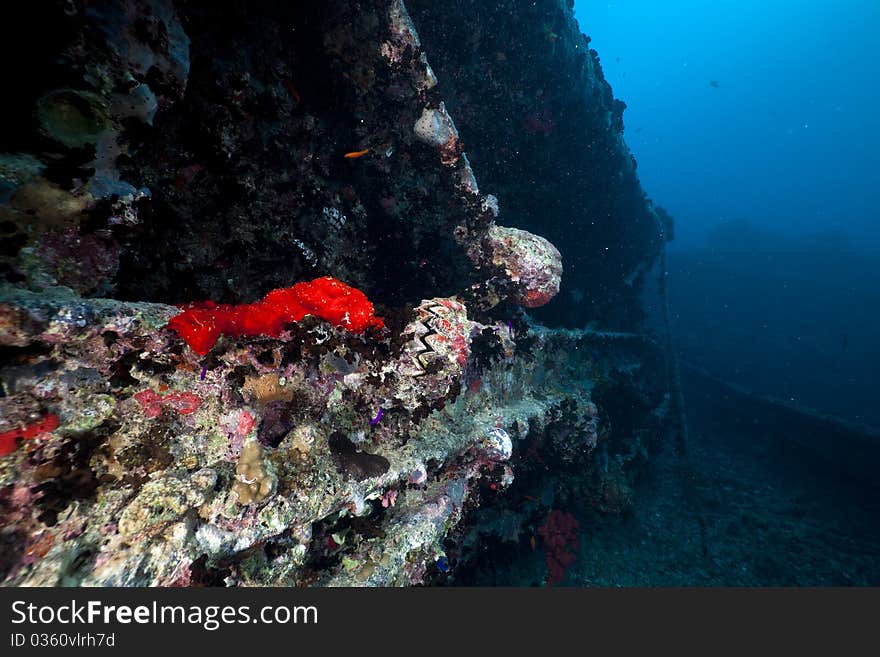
(545, 134)
(248, 186)
(248, 170)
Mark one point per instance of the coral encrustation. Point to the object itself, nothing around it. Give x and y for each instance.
(201, 324)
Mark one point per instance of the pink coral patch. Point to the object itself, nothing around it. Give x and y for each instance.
(152, 403)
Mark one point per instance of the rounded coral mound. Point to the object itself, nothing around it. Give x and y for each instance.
(529, 261)
(201, 324)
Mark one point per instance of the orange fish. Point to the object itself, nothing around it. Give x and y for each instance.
(355, 154)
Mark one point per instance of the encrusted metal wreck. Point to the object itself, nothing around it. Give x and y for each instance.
(174, 152)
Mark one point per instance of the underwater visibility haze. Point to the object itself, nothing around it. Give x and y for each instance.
(754, 124)
(461, 293)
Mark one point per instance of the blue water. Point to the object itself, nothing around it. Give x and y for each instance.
(756, 125)
(790, 137)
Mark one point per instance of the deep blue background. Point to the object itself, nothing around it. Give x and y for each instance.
(791, 135)
(773, 177)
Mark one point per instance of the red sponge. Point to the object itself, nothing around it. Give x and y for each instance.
(201, 324)
(561, 543)
(8, 439)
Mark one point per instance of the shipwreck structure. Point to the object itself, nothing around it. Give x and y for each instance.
(458, 169)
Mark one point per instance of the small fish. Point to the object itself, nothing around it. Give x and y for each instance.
(356, 154)
(204, 372)
(714, 84)
(376, 419)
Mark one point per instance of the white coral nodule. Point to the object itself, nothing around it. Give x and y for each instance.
(497, 444)
(435, 127)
